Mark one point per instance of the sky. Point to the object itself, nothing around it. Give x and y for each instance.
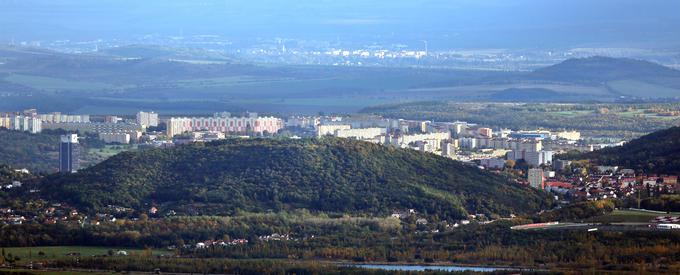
(445, 23)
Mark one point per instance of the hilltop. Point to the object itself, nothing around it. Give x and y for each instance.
(259, 175)
(602, 69)
(658, 152)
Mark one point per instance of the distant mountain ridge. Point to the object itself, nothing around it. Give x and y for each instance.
(329, 175)
(600, 69)
(165, 79)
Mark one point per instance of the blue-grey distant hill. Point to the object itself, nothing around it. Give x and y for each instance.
(602, 69)
(192, 81)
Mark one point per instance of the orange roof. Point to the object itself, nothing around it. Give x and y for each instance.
(558, 184)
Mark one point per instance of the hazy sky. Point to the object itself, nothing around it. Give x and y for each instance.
(450, 23)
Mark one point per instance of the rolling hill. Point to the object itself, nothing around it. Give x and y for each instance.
(658, 152)
(330, 175)
(603, 69)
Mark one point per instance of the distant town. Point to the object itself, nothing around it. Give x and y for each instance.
(422, 53)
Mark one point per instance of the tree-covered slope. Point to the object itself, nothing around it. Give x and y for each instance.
(329, 175)
(658, 152)
(36, 152)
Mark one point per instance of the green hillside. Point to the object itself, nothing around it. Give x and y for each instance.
(36, 152)
(331, 175)
(658, 152)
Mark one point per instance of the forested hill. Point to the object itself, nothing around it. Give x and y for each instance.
(329, 175)
(658, 152)
(601, 69)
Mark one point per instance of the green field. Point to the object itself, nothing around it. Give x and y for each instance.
(54, 84)
(51, 272)
(97, 155)
(110, 150)
(631, 216)
(572, 113)
(29, 254)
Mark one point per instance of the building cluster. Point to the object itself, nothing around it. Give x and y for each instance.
(467, 142)
(110, 129)
(147, 119)
(397, 132)
(216, 243)
(458, 140)
(8, 216)
(28, 121)
(113, 129)
(47, 214)
(275, 237)
(598, 182)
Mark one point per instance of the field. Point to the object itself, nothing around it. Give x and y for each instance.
(55, 84)
(29, 254)
(51, 272)
(97, 155)
(110, 150)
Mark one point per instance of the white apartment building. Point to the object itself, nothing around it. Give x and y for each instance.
(330, 129)
(5, 121)
(95, 127)
(147, 119)
(361, 133)
(21, 123)
(122, 138)
(493, 163)
(404, 140)
(535, 177)
(429, 145)
(303, 122)
(225, 124)
(449, 148)
(569, 135)
(57, 117)
(469, 143)
(539, 158)
(525, 145)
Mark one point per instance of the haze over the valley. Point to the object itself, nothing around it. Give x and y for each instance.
(447, 24)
